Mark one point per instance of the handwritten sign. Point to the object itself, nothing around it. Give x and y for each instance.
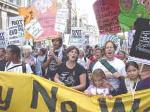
(141, 44)
(107, 12)
(34, 28)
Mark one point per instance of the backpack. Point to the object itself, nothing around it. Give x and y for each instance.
(23, 66)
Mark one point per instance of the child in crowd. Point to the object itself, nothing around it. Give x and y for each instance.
(99, 84)
(133, 76)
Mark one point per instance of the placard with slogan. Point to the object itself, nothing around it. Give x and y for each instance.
(107, 12)
(76, 36)
(16, 30)
(29, 93)
(3, 41)
(140, 50)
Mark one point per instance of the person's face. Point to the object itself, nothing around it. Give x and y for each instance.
(97, 54)
(9, 54)
(81, 53)
(121, 55)
(56, 43)
(109, 50)
(26, 52)
(98, 81)
(132, 72)
(72, 55)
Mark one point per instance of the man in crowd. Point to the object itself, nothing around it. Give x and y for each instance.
(55, 57)
(14, 64)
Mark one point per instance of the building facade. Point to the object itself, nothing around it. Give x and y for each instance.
(9, 8)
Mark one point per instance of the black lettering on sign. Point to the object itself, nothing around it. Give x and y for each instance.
(135, 105)
(4, 104)
(76, 32)
(118, 106)
(50, 101)
(102, 104)
(13, 32)
(69, 103)
(16, 22)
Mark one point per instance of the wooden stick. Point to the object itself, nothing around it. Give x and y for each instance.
(141, 68)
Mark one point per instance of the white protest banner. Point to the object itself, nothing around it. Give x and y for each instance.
(13, 36)
(61, 20)
(19, 22)
(2, 39)
(34, 28)
(76, 36)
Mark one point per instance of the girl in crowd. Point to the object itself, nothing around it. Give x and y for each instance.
(99, 85)
(133, 76)
(70, 73)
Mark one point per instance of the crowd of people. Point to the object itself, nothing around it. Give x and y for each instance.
(95, 71)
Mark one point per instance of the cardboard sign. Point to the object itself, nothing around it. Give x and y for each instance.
(34, 28)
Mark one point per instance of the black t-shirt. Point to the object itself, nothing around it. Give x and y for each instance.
(70, 77)
(53, 66)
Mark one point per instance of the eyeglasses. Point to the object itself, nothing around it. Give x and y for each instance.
(109, 47)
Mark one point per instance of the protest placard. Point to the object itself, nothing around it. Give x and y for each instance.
(3, 42)
(76, 37)
(34, 28)
(140, 50)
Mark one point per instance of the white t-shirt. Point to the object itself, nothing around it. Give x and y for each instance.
(97, 91)
(84, 62)
(116, 63)
(18, 68)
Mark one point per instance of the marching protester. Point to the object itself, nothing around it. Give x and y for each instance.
(112, 67)
(14, 64)
(31, 60)
(70, 73)
(84, 61)
(96, 57)
(42, 56)
(100, 85)
(55, 57)
(122, 55)
(2, 59)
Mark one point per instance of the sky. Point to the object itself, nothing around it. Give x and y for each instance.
(86, 7)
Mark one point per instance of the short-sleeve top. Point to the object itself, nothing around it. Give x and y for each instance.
(70, 77)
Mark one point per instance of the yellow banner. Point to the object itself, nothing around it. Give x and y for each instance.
(29, 93)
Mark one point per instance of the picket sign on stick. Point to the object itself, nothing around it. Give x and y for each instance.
(141, 68)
